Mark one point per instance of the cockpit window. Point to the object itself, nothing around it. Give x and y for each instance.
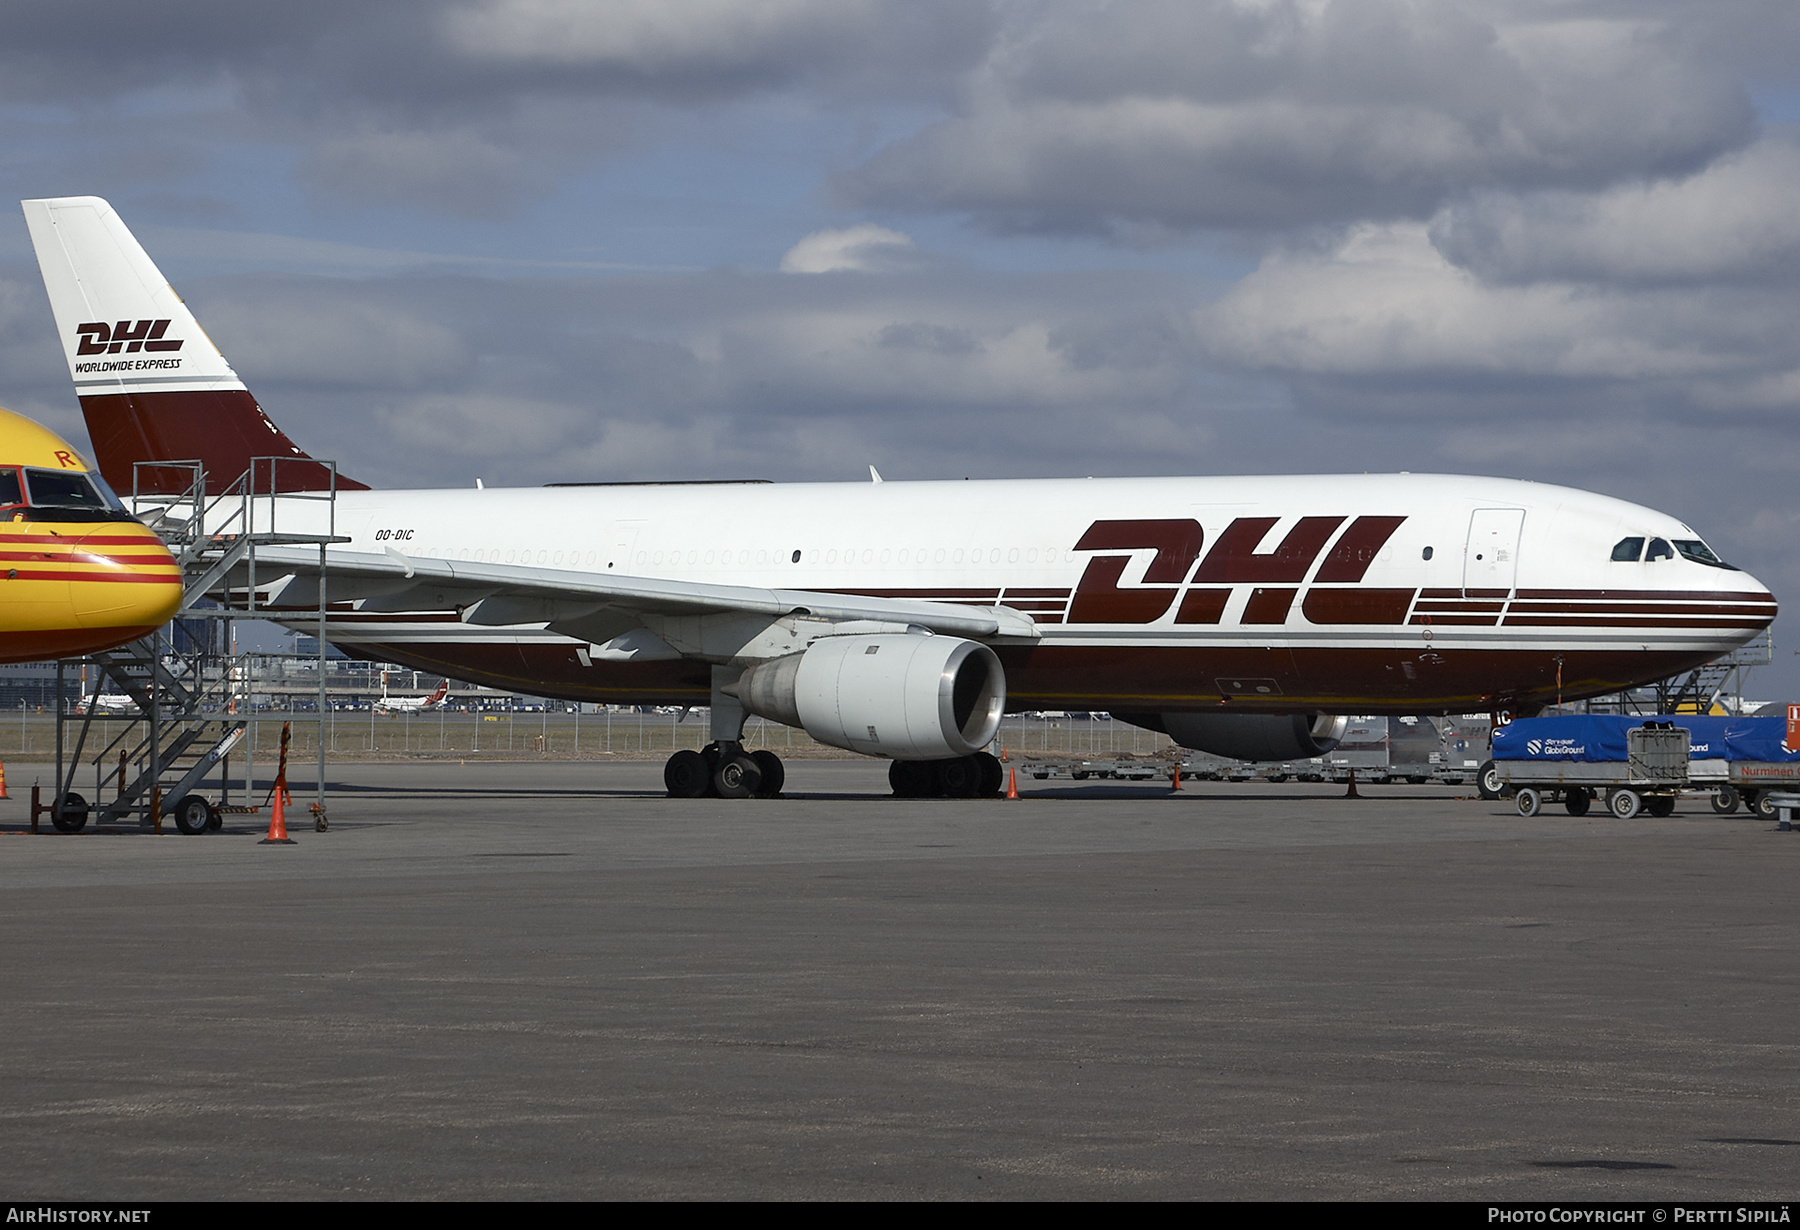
(107, 494)
(1700, 553)
(62, 489)
(1659, 549)
(1628, 550)
(9, 488)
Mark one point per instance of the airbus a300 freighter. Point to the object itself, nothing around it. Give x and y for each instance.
(901, 619)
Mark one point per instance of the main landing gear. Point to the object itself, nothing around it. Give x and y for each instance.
(964, 777)
(724, 771)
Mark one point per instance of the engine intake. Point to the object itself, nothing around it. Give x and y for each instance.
(888, 694)
(1248, 736)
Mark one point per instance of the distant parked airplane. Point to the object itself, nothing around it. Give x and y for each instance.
(410, 704)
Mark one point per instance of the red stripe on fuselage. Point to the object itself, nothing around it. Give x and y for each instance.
(1060, 676)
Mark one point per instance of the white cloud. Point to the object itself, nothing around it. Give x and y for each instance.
(1734, 220)
(857, 248)
(1385, 308)
(1183, 114)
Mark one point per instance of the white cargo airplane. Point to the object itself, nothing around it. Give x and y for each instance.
(410, 704)
(901, 619)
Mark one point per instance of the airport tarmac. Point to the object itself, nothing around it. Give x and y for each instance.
(544, 980)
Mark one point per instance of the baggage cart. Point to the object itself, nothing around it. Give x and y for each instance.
(1632, 764)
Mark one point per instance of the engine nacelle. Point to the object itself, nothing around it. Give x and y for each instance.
(887, 694)
(1248, 736)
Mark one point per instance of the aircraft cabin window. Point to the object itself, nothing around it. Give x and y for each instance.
(1700, 553)
(1628, 550)
(1425, 554)
(1659, 549)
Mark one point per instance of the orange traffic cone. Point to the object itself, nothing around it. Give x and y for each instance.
(1012, 783)
(1351, 793)
(1002, 759)
(2, 779)
(278, 817)
(1175, 783)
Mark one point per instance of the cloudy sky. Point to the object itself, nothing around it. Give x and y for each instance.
(534, 240)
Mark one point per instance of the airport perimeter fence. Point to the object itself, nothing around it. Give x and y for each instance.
(566, 734)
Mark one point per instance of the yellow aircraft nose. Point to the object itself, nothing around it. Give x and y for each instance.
(71, 588)
(122, 577)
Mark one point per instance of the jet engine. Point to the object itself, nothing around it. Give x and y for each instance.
(1248, 736)
(903, 696)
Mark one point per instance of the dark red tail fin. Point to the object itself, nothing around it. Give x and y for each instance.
(224, 429)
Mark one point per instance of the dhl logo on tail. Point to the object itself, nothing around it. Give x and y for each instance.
(97, 338)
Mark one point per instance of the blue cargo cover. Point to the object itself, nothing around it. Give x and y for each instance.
(1759, 738)
(1600, 738)
(1589, 739)
(1706, 735)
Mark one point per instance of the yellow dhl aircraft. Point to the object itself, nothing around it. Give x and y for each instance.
(78, 574)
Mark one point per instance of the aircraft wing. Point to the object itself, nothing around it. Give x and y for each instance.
(693, 616)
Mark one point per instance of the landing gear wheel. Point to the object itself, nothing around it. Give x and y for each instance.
(737, 777)
(1528, 801)
(1724, 800)
(774, 775)
(1625, 804)
(911, 779)
(686, 775)
(1660, 805)
(1488, 782)
(959, 778)
(192, 814)
(1577, 801)
(71, 816)
(993, 775)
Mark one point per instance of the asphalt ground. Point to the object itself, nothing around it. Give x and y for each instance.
(546, 981)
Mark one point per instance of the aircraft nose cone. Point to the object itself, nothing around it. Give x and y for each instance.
(122, 577)
(1747, 610)
(1759, 596)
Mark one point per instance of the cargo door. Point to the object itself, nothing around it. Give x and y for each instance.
(1491, 558)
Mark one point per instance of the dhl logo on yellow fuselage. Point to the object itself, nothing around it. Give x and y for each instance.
(77, 574)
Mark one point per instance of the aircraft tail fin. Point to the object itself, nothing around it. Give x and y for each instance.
(152, 385)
